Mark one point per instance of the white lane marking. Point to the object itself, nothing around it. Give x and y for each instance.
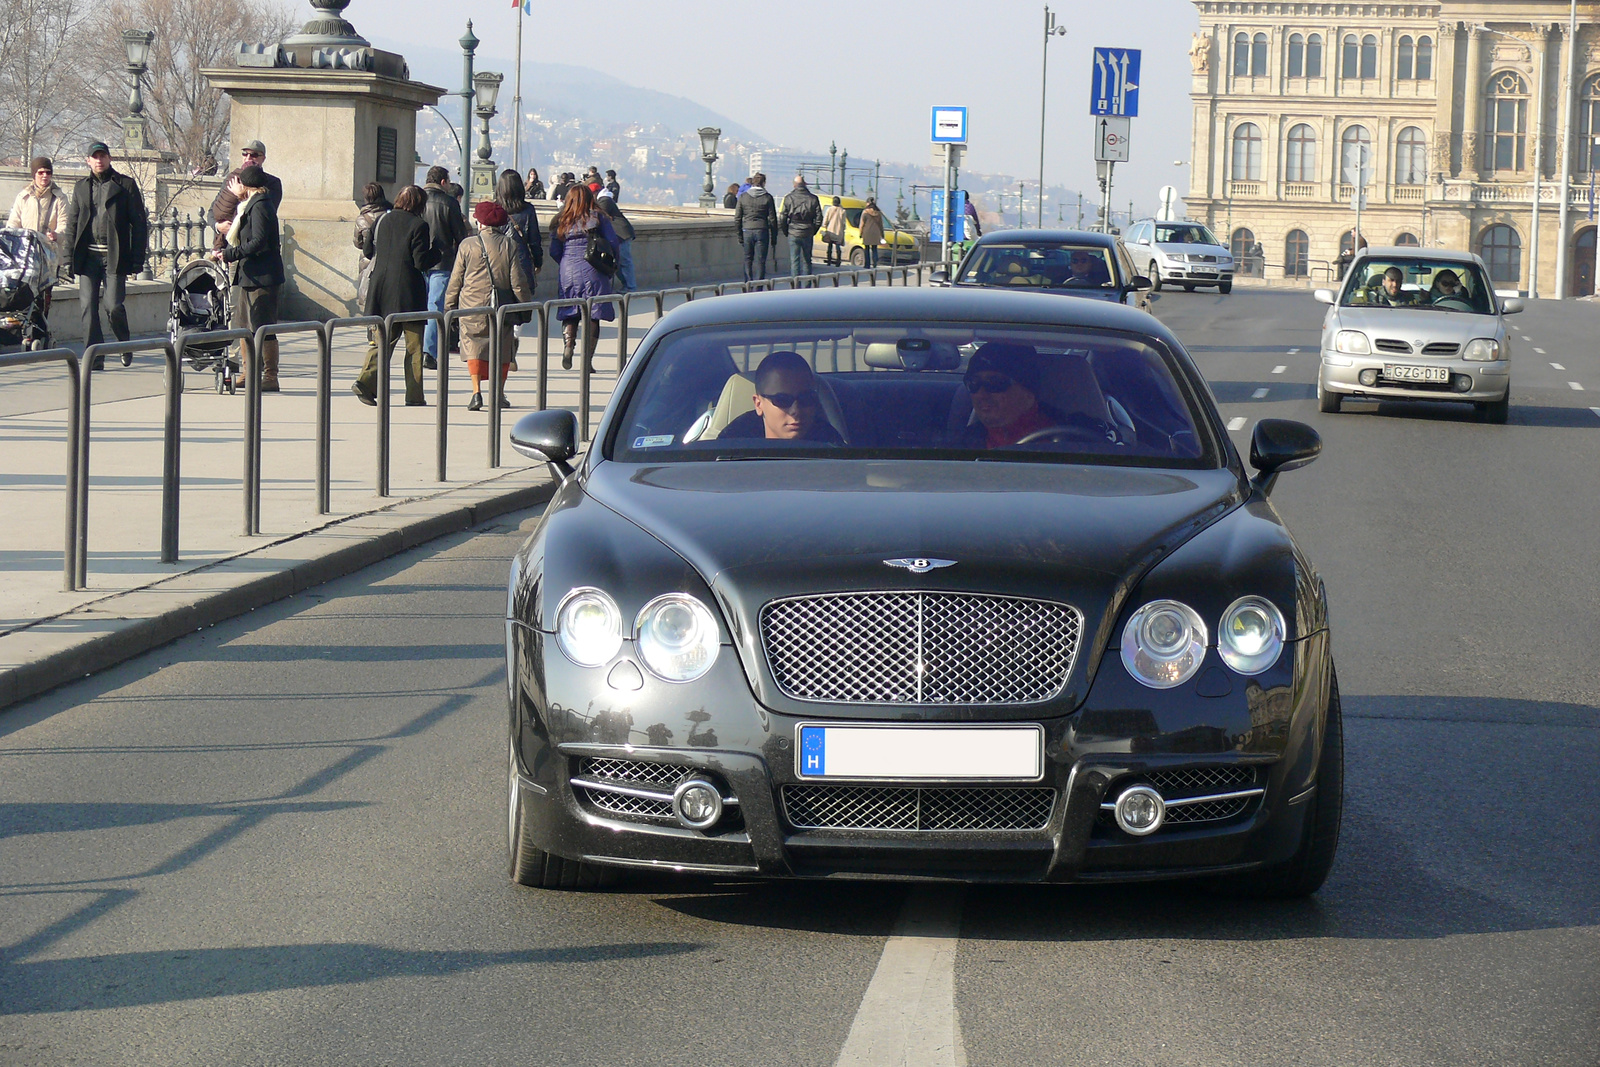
(1292, 351)
(1558, 366)
(1259, 393)
(1596, 411)
(1525, 337)
(1540, 351)
(907, 1016)
(1279, 370)
(1576, 386)
(1237, 423)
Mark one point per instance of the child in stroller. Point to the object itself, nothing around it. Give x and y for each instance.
(27, 271)
(200, 302)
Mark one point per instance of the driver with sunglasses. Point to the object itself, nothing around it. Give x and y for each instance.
(1003, 380)
(787, 407)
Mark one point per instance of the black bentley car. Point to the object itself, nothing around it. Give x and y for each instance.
(1059, 262)
(924, 583)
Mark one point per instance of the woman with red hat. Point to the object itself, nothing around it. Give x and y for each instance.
(485, 263)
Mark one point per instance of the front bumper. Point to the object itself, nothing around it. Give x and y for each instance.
(1469, 380)
(1267, 727)
(1199, 273)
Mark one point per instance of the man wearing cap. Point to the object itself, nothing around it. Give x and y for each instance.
(106, 237)
(224, 209)
(1003, 380)
(252, 245)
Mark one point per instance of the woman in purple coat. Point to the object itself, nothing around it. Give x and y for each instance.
(569, 241)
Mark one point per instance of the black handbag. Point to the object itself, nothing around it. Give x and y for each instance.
(598, 253)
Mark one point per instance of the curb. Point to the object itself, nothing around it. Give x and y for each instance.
(173, 613)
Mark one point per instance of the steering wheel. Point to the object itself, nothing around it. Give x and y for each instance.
(1068, 433)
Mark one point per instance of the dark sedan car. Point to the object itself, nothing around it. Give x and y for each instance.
(918, 583)
(1062, 262)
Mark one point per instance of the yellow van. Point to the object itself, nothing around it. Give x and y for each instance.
(897, 248)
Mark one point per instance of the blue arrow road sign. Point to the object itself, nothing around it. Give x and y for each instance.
(1114, 82)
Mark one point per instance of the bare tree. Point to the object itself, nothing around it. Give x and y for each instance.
(44, 101)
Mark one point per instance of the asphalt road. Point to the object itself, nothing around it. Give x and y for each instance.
(280, 841)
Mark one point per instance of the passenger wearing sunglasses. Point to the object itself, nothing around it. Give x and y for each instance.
(787, 407)
(1003, 381)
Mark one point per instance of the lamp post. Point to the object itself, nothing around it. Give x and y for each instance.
(135, 129)
(844, 163)
(833, 161)
(708, 152)
(1050, 30)
(487, 87)
(469, 45)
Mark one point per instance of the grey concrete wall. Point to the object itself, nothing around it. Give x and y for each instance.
(148, 303)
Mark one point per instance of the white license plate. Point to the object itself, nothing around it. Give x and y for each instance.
(913, 753)
(1401, 373)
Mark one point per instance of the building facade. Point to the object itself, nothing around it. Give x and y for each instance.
(1449, 114)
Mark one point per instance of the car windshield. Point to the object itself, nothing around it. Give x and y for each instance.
(1417, 283)
(912, 390)
(1184, 233)
(1040, 267)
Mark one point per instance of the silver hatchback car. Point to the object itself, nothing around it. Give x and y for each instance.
(1417, 324)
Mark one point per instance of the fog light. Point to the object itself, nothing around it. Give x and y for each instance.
(1369, 377)
(1462, 383)
(1140, 810)
(697, 804)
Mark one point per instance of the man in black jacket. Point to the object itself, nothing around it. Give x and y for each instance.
(755, 217)
(106, 236)
(800, 219)
(253, 244)
(447, 228)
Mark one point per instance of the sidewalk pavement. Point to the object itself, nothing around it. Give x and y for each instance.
(133, 601)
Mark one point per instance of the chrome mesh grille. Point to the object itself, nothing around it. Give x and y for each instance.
(856, 807)
(1199, 781)
(1209, 810)
(628, 770)
(920, 648)
(629, 807)
(638, 773)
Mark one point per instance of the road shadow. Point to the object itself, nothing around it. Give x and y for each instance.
(1535, 415)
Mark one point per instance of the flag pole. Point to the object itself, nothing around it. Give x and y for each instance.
(516, 101)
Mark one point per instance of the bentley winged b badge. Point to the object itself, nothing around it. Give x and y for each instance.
(919, 565)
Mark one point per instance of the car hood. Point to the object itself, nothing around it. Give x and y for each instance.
(760, 530)
(1194, 250)
(1412, 325)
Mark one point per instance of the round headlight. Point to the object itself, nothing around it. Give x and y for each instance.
(677, 637)
(1164, 644)
(589, 627)
(1482, 350)
(1251, 636)
(1351, 343)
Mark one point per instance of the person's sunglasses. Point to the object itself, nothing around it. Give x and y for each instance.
(788, 401)
(250, 155)
(998, 383)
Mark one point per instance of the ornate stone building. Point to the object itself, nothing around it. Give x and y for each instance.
(1451, 108)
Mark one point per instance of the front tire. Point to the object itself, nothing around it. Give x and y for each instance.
(1225, 287)
(1155, 277)
(535, 867)
(1496, 412)
(1187, 287)
(858, 257)
(1327, 400)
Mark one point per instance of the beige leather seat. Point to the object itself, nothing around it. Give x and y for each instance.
(738, 397)
(1069, 385)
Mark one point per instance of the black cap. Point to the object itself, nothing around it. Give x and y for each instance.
(252, 178)
(97, 146)
(1020, 363)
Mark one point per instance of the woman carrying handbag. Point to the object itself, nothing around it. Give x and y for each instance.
(488, 273)
(584, 244)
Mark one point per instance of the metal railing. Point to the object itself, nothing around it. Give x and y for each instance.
(175, 238)
(69, 570)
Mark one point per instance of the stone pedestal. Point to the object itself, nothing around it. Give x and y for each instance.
(328, 133)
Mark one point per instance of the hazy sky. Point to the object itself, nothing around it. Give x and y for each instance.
(861, 73)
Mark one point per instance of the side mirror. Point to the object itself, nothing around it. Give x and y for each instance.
(939, 277)
(1323, 296)
(551, 436)
(1512, 305)
(1279, 445)
(1140, 283)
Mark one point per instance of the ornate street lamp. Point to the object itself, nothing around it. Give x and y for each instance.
(135, 131)
(708, 152)
(833, 161)
(469, 45)
(486, 84)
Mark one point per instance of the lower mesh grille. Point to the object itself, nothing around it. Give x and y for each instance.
(629, 807)
(1201, 781)
(1209, 810)
(1182, 783)
(856, 807)
(631, 770)
(638, 773)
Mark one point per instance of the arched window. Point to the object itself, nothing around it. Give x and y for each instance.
(1297, 55)
(1296, 255)
(1589, 124)
(1314, 56)
(1407, 239)
(1355, 155)
(1506, 122)
(1501, 248)
(1247, 152)
(1411, 157)
(1349, 56)
(1424, 68)
(1242, 240)
(1258, 56)
(1369, 56)
(1347, 242)
(1404, 56)
(1301, 154)
(1241, 55)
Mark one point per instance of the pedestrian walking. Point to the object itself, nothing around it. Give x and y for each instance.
(488, 266)
(583, 242)
(253, 247)
(606, 202)
(613, 186)
(223, 210)
(755, 217)
(969, 211)
(800, 220)
(374, 205)
(446, 227)
(534, 187)
(523, 229)
(402, 251)
(41, 207)
(833, 223)
(106, 238)
(730, 199)
(871, 227)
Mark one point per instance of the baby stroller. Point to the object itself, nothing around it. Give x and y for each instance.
(27, 271)
(199, 303)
